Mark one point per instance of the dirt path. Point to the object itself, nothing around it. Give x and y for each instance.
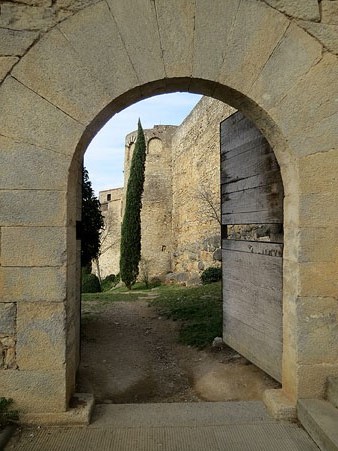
(130, 354)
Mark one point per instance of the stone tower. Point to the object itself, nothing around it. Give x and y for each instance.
(156, 214)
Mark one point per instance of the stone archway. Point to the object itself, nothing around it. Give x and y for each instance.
(105, 57)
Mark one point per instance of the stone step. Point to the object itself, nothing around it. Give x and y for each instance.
(332, 390)
(320, 420)
(179, 414)
(218, 426)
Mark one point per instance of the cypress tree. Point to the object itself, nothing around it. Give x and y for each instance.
(131, 224)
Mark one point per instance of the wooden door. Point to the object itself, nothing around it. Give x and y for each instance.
(252, 204)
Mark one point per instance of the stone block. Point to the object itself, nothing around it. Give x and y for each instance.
(217, 255)
(291, 213)
(321, 168)
(74, 5)
(101, 49)
(72, 288)
(329, 12)
(317, 244)
(62, 79)
(176, 22)
(15, 43)
(311, 130)
(7, 352)
(33, 284)
(6, 64)
(290, 281)
(319, 419)
(332, 391)
(18, 16)
(46, 125)
(302, 9)
(212, 26)
(33, 246)
(34, 391)
(7, 318)
(326, 34)
(260, 39)
(273, 82)
(41, 336)
(35, 168)
(318, 279)
(318, 209)
(139, 31)
(194, 280)
(317, 336)
(10, 359)
(279, 405)
(80, 415)
(44, 3)
(312, 379)
(33, 208)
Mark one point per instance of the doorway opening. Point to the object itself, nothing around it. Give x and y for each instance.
(181, 204)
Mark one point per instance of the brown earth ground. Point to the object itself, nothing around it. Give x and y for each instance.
(131, 355)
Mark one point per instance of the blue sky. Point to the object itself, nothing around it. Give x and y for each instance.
(105, 154)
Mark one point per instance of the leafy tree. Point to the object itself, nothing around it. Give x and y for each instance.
(131, 224)
(92, 222)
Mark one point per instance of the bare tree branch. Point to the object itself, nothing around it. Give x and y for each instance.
(210, 203)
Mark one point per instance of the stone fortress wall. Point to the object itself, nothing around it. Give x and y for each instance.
(196, 189)
(180, 235)
(111, 207)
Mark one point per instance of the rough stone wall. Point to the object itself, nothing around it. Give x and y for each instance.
(180, 234)
(8, 335)
(156, 242)
(256, 232)
(111, 207)
(196, 188)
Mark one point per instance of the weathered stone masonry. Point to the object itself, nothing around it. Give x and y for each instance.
(179, 235)
(111, 207)
(196, 173)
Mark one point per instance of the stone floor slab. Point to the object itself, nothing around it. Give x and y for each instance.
(146, 427)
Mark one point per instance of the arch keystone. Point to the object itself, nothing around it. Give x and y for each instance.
(137, 24)
(176, 22)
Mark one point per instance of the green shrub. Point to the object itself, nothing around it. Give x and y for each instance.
(7, 416)
(90, 283)
(110, 282)
(211, 275)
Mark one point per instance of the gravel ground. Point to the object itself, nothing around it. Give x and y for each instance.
(131, 355)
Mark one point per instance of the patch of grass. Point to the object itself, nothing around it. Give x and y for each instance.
(118, 294)
(110, 296)
(199, 309)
